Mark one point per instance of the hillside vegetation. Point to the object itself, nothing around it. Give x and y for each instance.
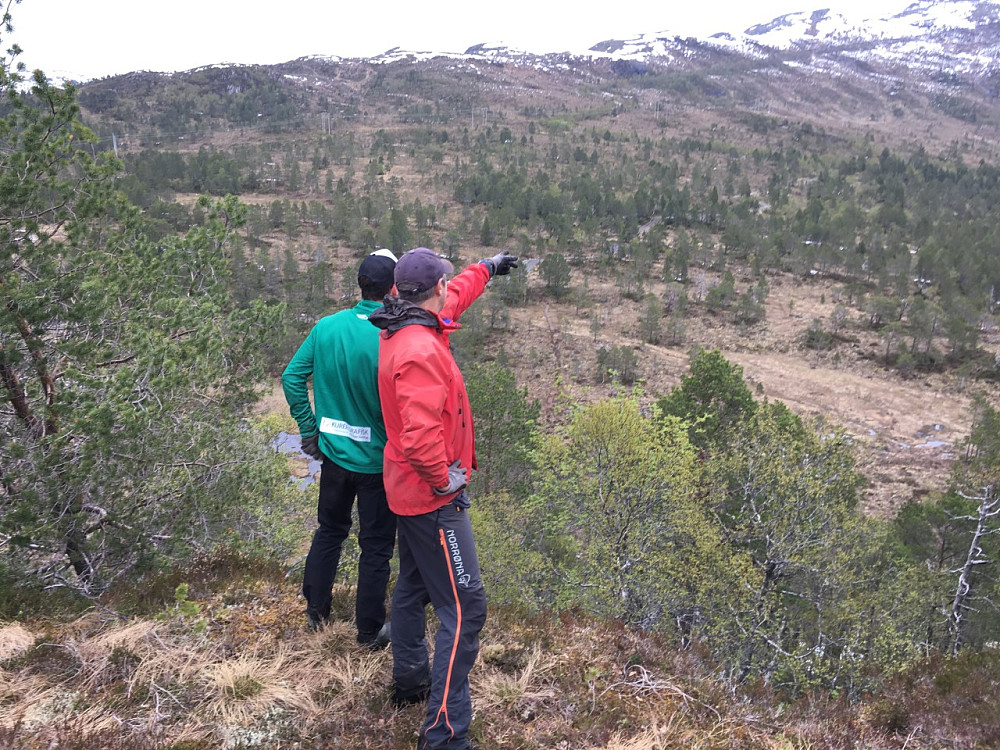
(736, 411)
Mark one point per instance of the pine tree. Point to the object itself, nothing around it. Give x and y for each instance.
(124, 360)
(486, 233)
(399, 232)
(506, 426)
(556, 273)
(713, 399)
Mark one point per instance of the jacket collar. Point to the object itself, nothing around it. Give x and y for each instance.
(367, 306)
(397, 313)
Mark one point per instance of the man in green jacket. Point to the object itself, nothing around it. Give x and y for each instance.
(347, 434)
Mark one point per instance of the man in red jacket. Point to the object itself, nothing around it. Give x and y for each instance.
(428, 455)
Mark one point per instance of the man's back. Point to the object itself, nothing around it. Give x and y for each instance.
(341, 354)
(424, 401)
(427, 463)
(347, 434)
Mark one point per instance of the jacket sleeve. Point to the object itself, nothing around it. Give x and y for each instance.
(421, 390)
(464, 289)
(294, 383)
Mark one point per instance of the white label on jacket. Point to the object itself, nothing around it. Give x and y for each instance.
(337, 427)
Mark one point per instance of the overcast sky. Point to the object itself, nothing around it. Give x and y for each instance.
(88, 39)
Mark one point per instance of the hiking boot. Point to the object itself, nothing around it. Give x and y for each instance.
(316, 622)
(419, 694)
(378, 641)
(422, 743)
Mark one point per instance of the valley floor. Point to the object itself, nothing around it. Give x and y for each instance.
(907, 431)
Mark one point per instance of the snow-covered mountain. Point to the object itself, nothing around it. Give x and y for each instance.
(936, 61)
(956, 35)
(949, 35)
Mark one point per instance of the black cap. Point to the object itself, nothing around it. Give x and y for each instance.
(378, 269)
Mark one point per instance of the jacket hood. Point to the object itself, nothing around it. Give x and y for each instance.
(397, 313)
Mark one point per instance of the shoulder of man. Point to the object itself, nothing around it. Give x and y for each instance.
(338, 318)
(417, 344)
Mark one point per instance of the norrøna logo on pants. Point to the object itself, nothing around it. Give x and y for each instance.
(461, 576)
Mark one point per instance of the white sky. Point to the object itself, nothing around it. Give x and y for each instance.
(88, 39)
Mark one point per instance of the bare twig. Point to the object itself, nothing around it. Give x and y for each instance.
(640, 680)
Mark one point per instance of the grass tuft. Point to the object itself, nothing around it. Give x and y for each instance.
(522, 692)
(14, 640)
(238, 691)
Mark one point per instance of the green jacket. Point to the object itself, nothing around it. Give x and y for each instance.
(341, 356)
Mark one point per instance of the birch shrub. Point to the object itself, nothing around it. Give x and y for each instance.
(614, 523)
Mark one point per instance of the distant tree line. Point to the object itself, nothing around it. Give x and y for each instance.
(236, 95)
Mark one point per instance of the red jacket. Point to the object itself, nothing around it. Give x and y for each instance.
(424, 403)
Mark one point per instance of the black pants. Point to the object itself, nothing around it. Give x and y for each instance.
(438, 564)
(376, 537)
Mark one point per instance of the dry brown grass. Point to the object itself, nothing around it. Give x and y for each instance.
(540, 684)
(20, 696)
(238, 690)
(519, 693)
(651, 739)
(14, 639)
(109, 655)
(183, 680)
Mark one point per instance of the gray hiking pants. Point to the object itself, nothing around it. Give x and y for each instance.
(438, 564)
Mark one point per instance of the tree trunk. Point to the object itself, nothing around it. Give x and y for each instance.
(988, 508)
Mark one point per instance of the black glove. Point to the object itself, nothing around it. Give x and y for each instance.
(501, 263)
(456, 479)
(310, 446)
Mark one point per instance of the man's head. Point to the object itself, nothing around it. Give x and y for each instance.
(420, 275)
(375, 275)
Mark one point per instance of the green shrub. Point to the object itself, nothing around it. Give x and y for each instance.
(817, 337)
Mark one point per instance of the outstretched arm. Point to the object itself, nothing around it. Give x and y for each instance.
(466, 287)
